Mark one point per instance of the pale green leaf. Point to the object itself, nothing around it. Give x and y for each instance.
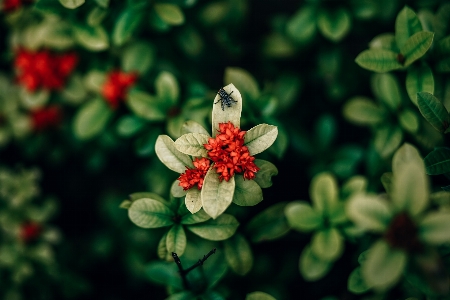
(387, 89)
(327, 244)
(129, 125)
(356, 283)
(221, 228)
(387, 140)
(301, 216)
(92, 38)
(176, 240)
(384, 265)
(170, 156)
(127, 22)
(438, 161)
(323, 191)
(385, 41)
(71, 3)
(407, 154)
(419, 79)
(193, 127)
(176, 190)
(434, 228)
(145, 105)
(246, 192)
(193, 144)
(378, 60)
(311, 267)
(150, 213)
(266, 171)
(198, 217)
(354, 185)
(406, 24)
(369, 212)
(161, 250)
(416, 46)
(229, 114)
(244, 81)
(301, 27)
(193, 200)
(238, 254)
(170, 13)
(167, 89)
(91, 119)
(363, 111)
(140, 195)
(409, 120)
(259, 296)
(334, 24)
(216, 195)
(34, 100)
(138, 57)
(433, 111)
(260, 137)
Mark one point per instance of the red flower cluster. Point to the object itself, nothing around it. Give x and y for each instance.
(195, 176)
(30, 231)
(11, 5)
(46, 117)
(43, 69)
(229, 154)
(116, 86)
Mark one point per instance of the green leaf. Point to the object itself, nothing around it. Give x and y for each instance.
(266, 171)
(92, 38)
(229, 114)
(193, 127)
(433, 111)
(387, 89)
(186, 295)
(419, 79)
(302, 26)
(71, 3)
(259, 296)
(138, 57)
(176, 190)
(246, 192)
(323, 191)
(406, 24)
(170, 156)
(416, 46)
(238, 254)
(167, 89)
(150, 213)
(410, 189)
(161, 250)
(176, 240)
(369, 212)
(145, 106)
(127, 22)
(129, 125)
(407, 155)
(244, 81)
(363, 111)
(219, 229)
(433, 228)
(169, 13)
(409, 120)
(192, 144)
(356, 283)
(198, 217)
(91, 119)
(378, 60)
(260, 137)
(438, 161)
(334, 24)
(301, 216)
(34, 100)
(387, 140)
(164, 273)
(269, 224)
(193, 200)
(311, 267)
(384, 265)
(327, 244)
(216, 195)
(145, 143)
(354, 185)
(140, 195)
(384, 41)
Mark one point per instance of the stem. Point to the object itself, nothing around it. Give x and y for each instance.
(200, 261)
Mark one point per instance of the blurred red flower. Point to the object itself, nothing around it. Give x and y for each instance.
(116, 87)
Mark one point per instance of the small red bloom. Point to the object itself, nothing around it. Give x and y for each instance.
(229, 154)
(11, 5)
(44, 118)
(43, 69)
(116, 86)
(195, 176)
(30, 231)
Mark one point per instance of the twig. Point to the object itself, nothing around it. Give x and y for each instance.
(201, 261)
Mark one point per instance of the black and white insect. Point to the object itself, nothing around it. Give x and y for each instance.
(225, 98)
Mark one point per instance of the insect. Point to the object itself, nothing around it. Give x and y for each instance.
(225, 98)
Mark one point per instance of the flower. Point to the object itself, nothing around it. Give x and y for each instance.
(30, 231)
(46, 117)
(116, 86)
(229, 154)
(193, 177)
(11, 5)
(43, 69)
